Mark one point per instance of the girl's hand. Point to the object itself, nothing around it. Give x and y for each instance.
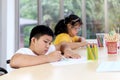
(71, 54)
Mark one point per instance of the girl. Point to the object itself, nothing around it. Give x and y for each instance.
(66, 31)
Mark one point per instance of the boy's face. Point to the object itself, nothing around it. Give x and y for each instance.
(40, 46)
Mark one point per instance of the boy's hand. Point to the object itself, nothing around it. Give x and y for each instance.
(54, 56)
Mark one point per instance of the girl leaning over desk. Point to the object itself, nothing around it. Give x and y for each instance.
(66, 30)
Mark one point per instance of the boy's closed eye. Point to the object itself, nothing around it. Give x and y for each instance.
(47, 42)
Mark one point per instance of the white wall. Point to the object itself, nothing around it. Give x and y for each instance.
(7, 29)
(10, 29)
(3, 36)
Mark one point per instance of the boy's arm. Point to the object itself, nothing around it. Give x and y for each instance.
(22, 60)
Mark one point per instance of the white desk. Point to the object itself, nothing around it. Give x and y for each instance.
(82, 71)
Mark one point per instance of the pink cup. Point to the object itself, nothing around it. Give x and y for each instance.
(111, 47)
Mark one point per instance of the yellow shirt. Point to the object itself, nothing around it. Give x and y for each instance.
(64, 37)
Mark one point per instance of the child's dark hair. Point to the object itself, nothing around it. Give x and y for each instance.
(61, 26)
(39, 31)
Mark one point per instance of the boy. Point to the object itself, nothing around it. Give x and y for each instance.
(40, 49)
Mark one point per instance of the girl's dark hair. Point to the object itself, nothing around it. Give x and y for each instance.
(39, 31)
(61, 26)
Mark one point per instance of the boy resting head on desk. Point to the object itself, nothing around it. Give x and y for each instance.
(40, 49)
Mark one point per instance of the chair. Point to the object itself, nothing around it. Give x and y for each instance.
(8, 61)
(3, 71)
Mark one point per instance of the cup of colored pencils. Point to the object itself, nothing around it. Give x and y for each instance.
(112, 39)
(92, 52)
(100, 39)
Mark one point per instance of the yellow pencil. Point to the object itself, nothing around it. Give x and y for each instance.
(95, 51)
(90, 53)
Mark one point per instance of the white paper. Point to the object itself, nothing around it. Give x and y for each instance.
(109, 66)
(69, 61)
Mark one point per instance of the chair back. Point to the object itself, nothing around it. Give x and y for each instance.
(3, 71)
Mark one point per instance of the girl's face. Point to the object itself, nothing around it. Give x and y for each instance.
(73, 29)
(40, 46)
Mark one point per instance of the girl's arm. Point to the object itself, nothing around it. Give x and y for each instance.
(67, 50)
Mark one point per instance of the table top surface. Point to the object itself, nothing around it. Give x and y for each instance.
(81, 71)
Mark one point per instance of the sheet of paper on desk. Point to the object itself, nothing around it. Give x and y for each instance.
(109, 66)
(69, 61)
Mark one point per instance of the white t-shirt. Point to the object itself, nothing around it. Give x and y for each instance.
(30, 52)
